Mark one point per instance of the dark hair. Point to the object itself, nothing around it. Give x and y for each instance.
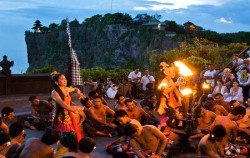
(50, 136)
(97, 97)
(130, 129)
(68, 157)
(208, 106)
(86, 144)
(128, 101)
(32, 97)
(232, 102)
(221, 81)
(68, 140)
(84, 101)
(15, 129)
(238, 110)
(6, 111)
(118, 95)
(218, 131)
(4, 138)
(120, 113)
(218, 94)
(59, 109)
(92, 93)
(150, 105)
(245, 68)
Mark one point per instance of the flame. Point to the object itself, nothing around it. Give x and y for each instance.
(162, 85)
(186, 91)
(205, 85)
(184, 70)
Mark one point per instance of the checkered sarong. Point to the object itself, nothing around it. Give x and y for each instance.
(75, 65)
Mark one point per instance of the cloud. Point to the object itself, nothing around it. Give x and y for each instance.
(178, 4)
(223, 20)
(140, 8)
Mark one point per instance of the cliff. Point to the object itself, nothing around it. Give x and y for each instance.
(108, 46)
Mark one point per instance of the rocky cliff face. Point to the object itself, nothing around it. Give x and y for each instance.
(109, 46)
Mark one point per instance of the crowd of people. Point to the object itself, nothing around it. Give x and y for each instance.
(223, 118)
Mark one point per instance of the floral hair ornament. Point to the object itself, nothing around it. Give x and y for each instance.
(52, 75)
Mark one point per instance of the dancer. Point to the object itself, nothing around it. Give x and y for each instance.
(64, 120)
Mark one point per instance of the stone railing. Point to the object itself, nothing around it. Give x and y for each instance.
(14, 84)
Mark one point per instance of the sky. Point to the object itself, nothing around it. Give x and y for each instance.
(18, 16)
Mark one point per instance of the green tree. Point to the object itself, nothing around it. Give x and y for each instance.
(74, 23)
(53, 27)
(37, 26)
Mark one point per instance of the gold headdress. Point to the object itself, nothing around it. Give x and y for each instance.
(52, 75)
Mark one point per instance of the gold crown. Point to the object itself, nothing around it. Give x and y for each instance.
(52, 75)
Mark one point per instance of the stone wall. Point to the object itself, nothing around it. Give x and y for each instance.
(25, 84)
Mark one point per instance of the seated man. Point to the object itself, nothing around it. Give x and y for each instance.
(85, 146)
(204, 122)
(99, 113)
(210, 143)
(243, 127)
(146, 139)
(40, 148)
(41, 113)
(4, 143)
(17, 136)
(8, 115)
(228, 122)
(88, 129)
(135, 112)
(3, 127)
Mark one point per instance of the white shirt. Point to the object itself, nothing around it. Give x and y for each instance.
(134, 76)
(210, 74)
(145, 80)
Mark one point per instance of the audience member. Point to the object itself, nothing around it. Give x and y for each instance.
(135, 79)
(228, 78)
(235, 93)
(220, 88)
(244, 82)
(145, 80)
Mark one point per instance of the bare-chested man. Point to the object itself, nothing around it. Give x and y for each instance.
(219, 99)
(209, 144)
(99, 113)
(40, 148)
(120, 102)
(228, 122)
(124, 120)
(135, 112)
(3, 127)
(147, 139)
(216, 108)
(204, 122)
(243, 126)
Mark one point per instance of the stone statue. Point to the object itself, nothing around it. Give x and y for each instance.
(5, 64)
